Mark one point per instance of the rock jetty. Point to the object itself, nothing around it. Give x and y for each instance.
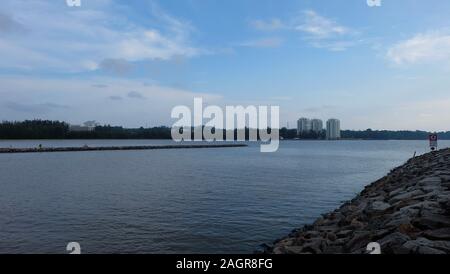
(112, 148)
(406, 212)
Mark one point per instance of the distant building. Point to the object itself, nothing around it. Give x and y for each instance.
(78, 128)
(333, 129)
(316, 125)
(303, 125)
(86, 127)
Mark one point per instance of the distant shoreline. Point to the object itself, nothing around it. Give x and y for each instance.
(57, 130)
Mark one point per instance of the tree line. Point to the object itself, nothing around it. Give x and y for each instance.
(392, 135)
(44, 129)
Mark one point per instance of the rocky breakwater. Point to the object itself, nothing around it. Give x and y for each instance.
(408, 211)
(114, 148)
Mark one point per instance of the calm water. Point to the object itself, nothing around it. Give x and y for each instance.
(179, 201)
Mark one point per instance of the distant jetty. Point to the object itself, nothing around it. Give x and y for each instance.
(113, 148)
(406, 212)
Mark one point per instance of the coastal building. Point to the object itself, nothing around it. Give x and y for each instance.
(316, 125)
(333, 129)
(87, 126)
(303, 125)
(78, 128)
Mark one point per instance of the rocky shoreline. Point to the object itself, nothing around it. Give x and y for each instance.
(405, 212)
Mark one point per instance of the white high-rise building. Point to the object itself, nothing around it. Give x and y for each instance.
(303, 125)
(316, 125)
(333, 129)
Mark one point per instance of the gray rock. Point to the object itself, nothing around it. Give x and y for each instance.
(407, 211)
(438, 234)
(379, 234)
(395, 192)
(395, 222)
(311, 234)
(376, 195)
(344, 233)
(278, 250)
(430, 181)
(319, 221)
(425, 246)
(331, 236)
(293, 249)
(341, 241)
(442, 245)
(425, 205)
(431, 221)
(431, 188)
(429, 250)
(328, 228)
(428, 196)
(357, 225)
(405, 196)
(400, 250)
(333, 250)
(413, 246)
(392, 241)
(360, 206)
(360, 239)
(378, 206)
(313, 246)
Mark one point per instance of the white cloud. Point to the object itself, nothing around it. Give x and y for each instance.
(322, 32)
(318, 31)
(319, 27)
(150, 44)
(422, 48)
(67, 39)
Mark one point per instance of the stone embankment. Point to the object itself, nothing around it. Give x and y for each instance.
(112, 148)
(406, 212)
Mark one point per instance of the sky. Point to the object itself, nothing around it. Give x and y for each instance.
(130, 62)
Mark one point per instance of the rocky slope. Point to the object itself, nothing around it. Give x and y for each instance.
(408, 211)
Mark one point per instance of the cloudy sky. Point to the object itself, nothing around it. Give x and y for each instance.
(129, 62)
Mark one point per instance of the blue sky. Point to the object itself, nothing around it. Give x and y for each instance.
(129, 62)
